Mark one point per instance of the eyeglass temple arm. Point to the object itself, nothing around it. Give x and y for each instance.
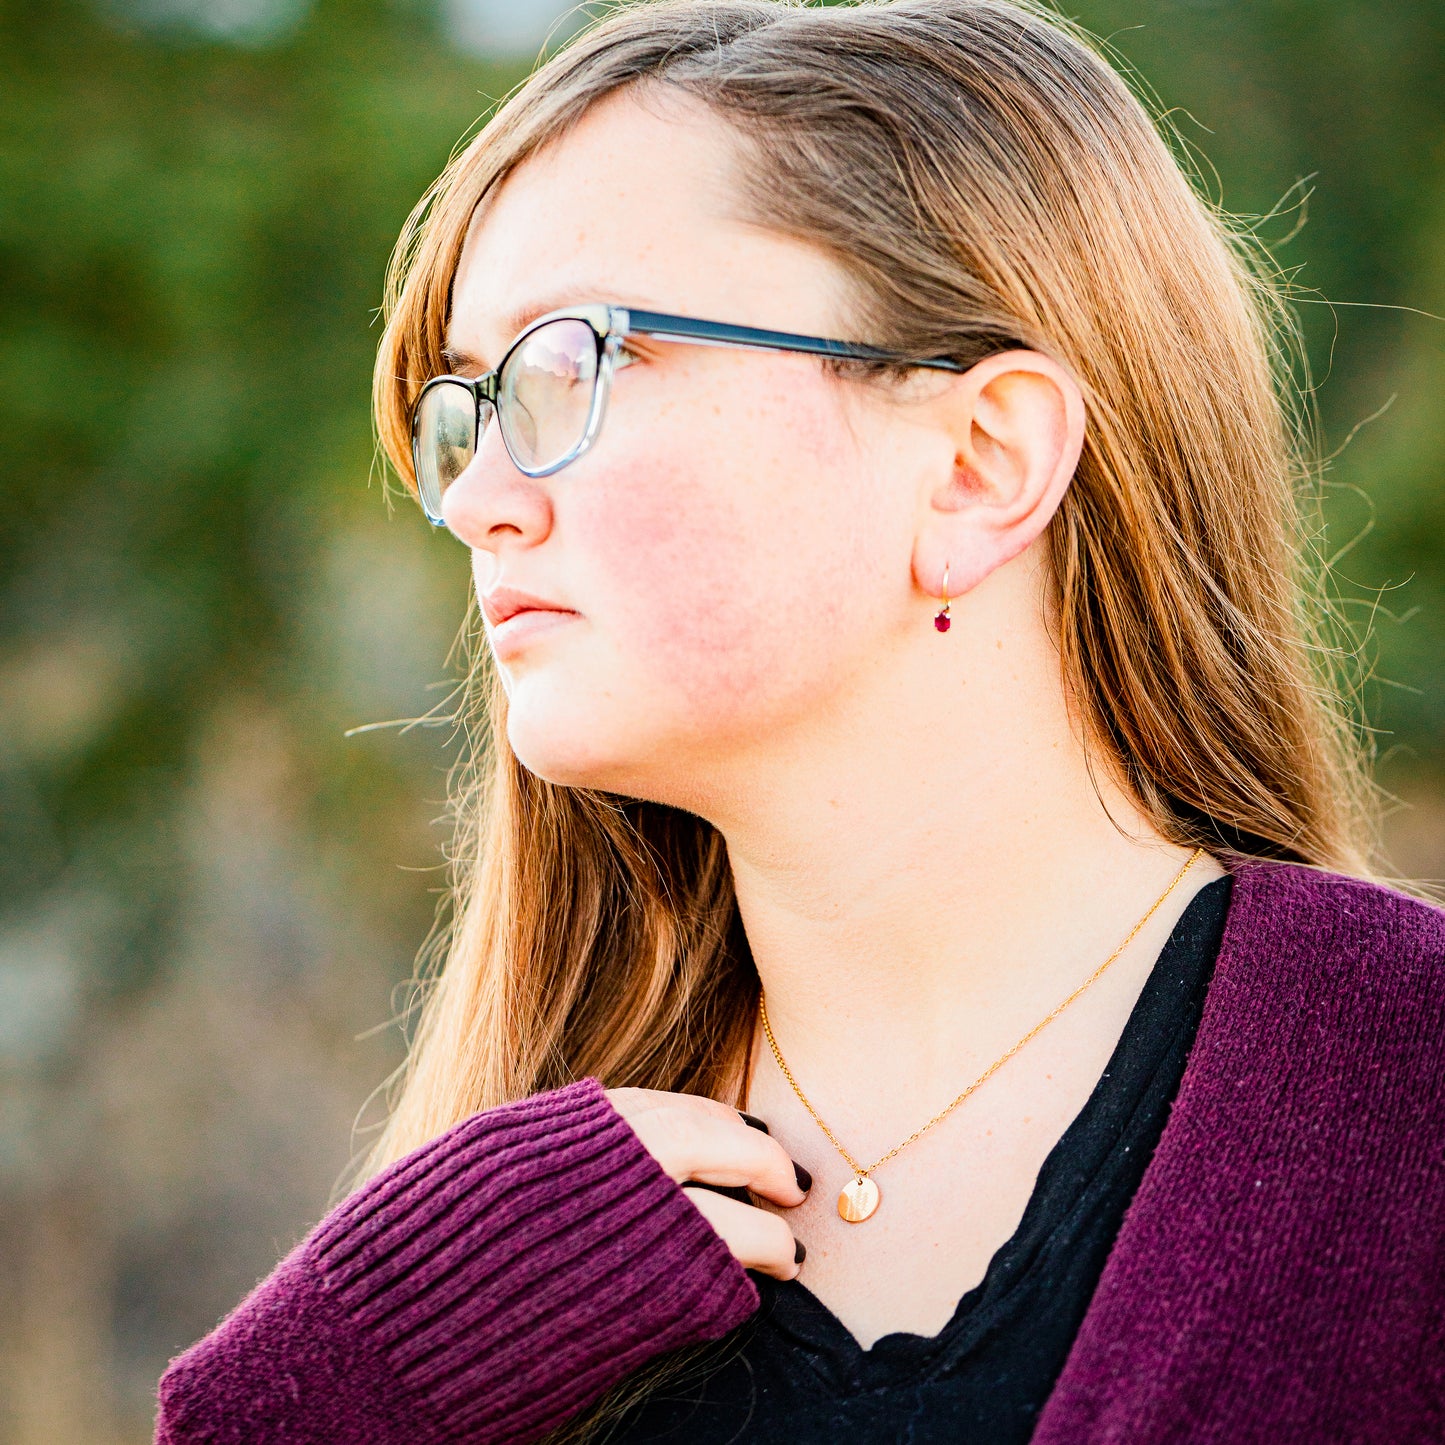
(720, 333)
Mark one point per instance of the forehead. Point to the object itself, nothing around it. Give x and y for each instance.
(636, 205)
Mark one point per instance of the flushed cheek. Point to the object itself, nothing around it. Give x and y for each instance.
(725, 593)
(688, 612)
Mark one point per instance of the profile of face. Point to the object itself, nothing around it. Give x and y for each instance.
(738, 558)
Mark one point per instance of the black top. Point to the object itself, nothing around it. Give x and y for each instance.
(793, 1373)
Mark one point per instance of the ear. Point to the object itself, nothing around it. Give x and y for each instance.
(1005, 440)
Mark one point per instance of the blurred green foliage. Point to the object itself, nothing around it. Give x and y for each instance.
(192, 241)
(1345, 101)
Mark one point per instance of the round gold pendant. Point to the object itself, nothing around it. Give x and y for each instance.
(858, 1201)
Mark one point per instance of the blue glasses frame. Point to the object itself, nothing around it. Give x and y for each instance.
(611, 326)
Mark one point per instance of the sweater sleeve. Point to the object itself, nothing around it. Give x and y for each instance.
(484, 1288)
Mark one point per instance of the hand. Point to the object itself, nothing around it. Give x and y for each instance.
(703, 1142)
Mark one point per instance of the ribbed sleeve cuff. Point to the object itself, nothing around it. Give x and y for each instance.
(286, 1368)
(520, 1265)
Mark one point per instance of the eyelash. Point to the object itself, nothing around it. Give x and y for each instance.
(626, 355)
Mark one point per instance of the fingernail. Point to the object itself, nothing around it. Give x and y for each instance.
(800, 1253)
(805, 1180)
(753, 1122)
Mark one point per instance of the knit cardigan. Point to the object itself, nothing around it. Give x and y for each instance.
(1279, 1276)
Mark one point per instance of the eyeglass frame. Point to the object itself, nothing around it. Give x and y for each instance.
(611, 326)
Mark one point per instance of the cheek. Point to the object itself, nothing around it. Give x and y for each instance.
(734, 571)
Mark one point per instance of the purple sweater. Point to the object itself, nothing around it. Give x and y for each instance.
(1279, 1276)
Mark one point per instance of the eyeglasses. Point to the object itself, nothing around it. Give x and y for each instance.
(550, 389)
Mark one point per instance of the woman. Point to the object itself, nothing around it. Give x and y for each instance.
(916, 971)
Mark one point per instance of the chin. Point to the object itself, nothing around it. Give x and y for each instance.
(639, 764)
(616, 735)
(572, 751)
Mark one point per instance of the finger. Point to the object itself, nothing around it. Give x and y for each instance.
(727, 1152)
(701, 1140)
(631, 1101)
(758, 1240)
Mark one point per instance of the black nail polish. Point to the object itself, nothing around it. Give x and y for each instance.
(805, 1180)
(800, 1253)
(753, 1122)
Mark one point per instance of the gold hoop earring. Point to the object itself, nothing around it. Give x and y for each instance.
(943, 622)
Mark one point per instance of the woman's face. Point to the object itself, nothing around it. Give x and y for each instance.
(734, 549)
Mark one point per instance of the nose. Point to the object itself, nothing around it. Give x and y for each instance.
(492, 506)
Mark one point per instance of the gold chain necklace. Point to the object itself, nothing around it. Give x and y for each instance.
(859, 1198)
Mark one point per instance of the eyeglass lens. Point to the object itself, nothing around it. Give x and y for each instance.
(446, 428)
(544, 397)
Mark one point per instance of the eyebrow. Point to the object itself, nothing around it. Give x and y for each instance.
(523, 316)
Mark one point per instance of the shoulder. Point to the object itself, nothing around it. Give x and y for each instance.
(1331, 967)
(1336, 920)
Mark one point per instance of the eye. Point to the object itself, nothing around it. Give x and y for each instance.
(625, 357)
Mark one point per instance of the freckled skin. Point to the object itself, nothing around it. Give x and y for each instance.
(726, 538)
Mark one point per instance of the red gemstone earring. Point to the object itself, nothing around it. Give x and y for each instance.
(942, 622)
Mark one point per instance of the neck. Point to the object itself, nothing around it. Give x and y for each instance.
(920, 886)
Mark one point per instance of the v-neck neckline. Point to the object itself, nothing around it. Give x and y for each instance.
(820, 1337)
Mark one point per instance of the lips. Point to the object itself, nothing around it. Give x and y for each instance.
(503, 602)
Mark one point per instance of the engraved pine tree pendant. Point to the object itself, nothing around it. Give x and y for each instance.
(859, 1200)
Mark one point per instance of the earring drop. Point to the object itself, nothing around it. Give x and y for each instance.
(943, 622)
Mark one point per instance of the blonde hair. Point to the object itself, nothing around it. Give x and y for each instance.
(979, 172)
